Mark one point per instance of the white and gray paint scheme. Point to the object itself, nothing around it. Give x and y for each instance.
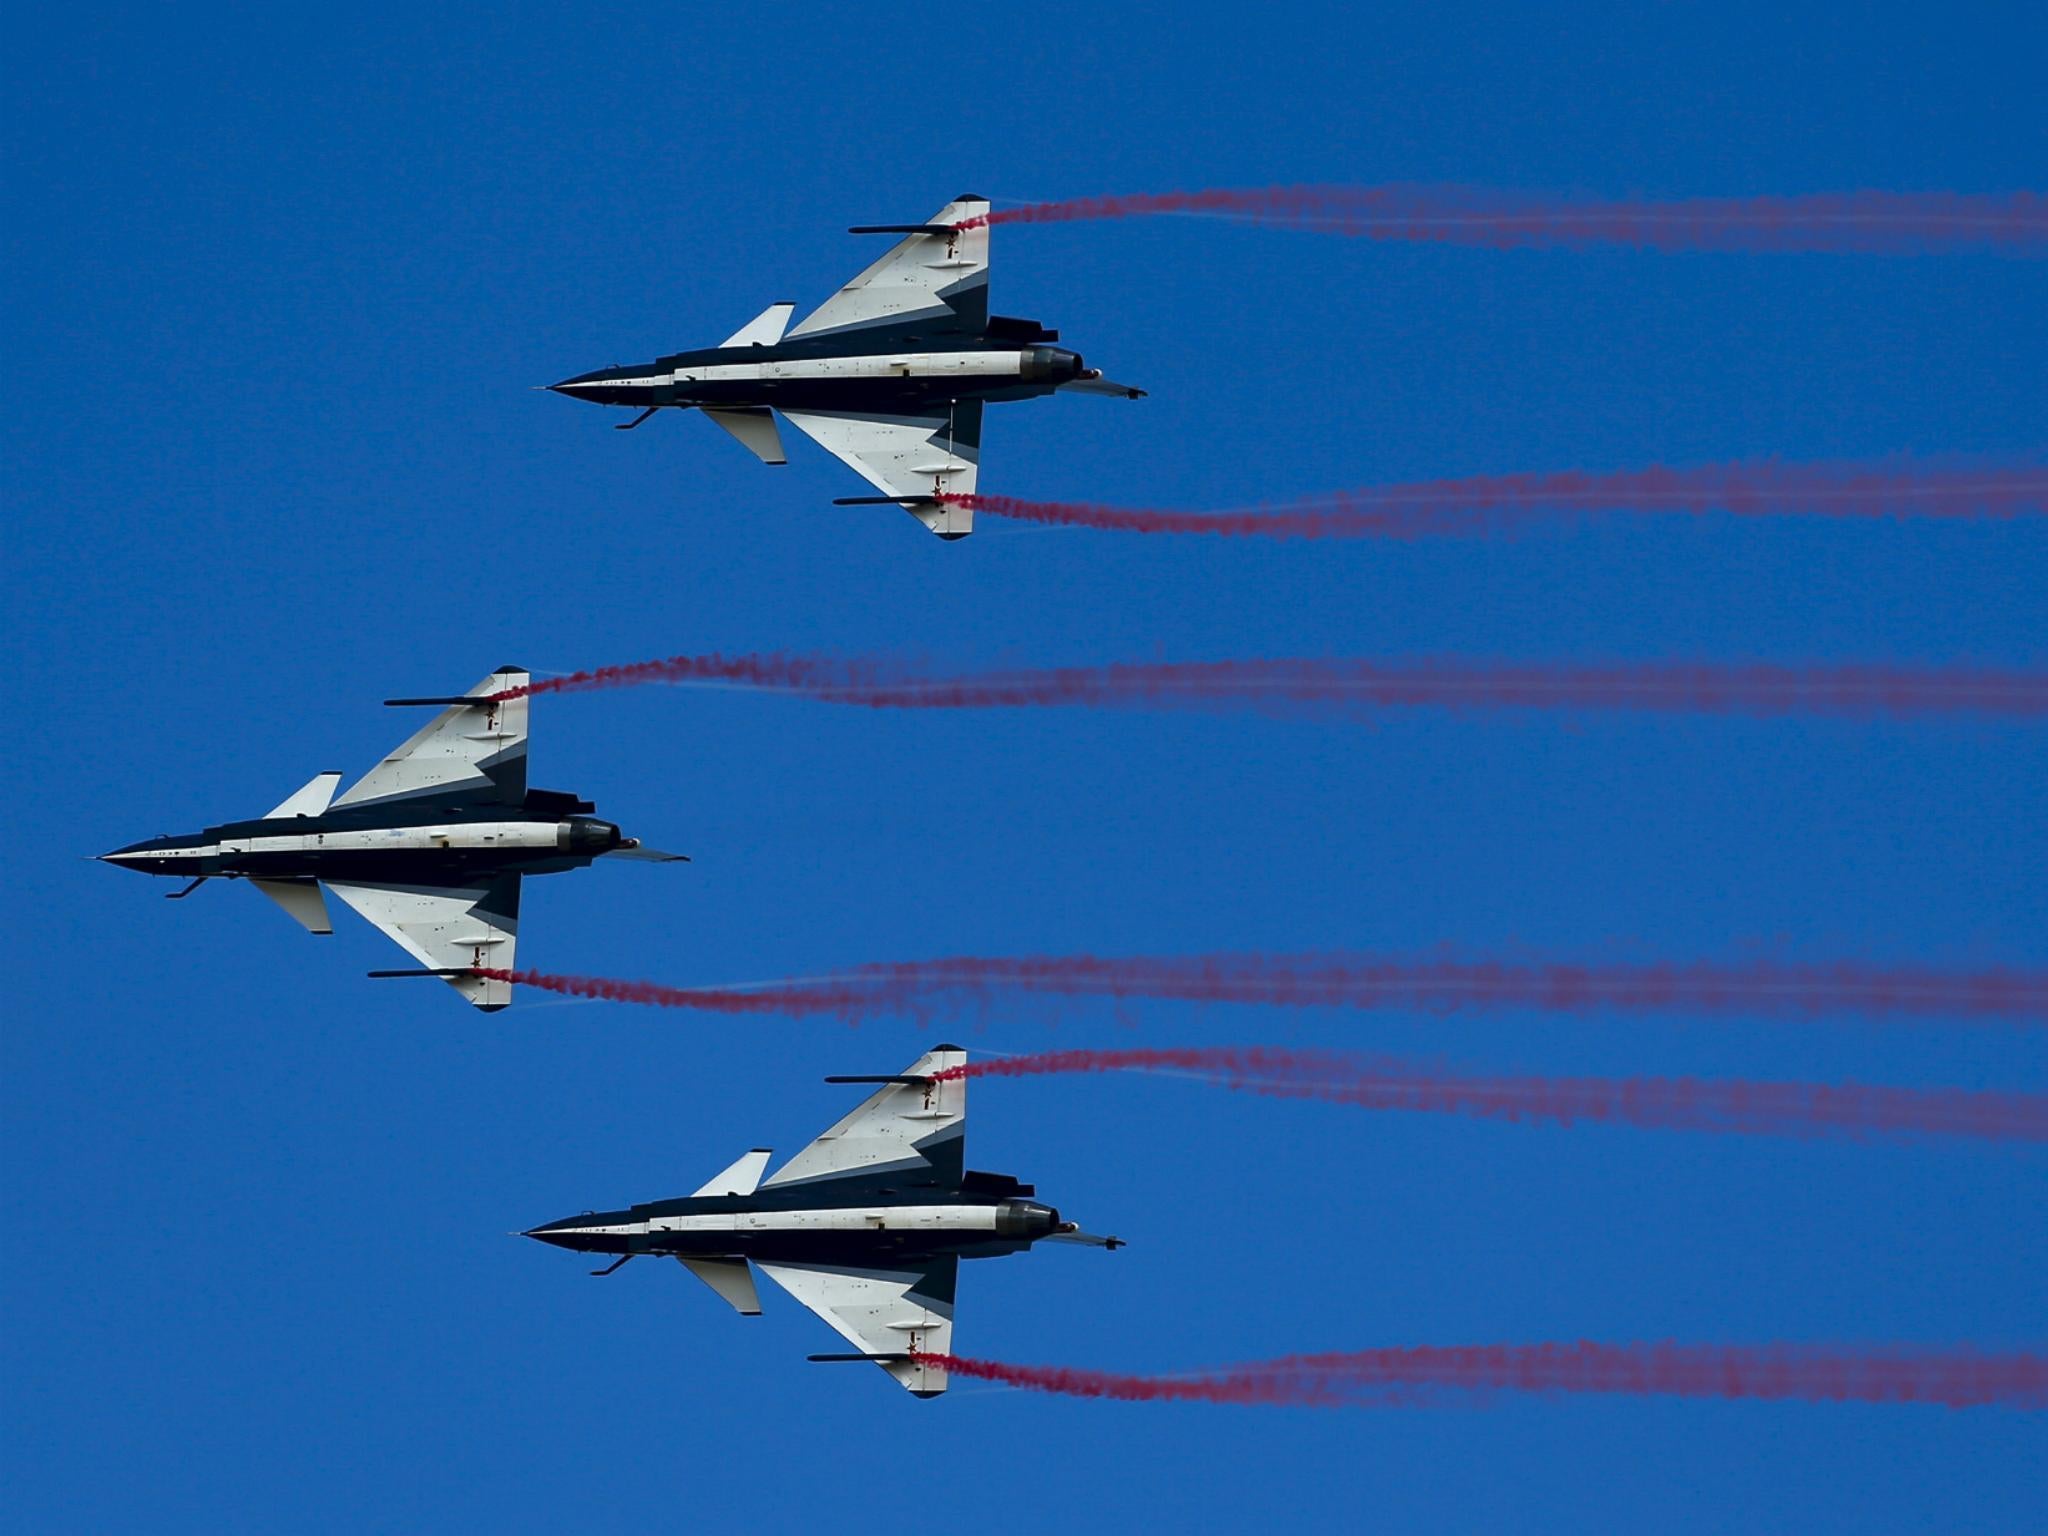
(430, 845)
(866, 1226)
(890, 374)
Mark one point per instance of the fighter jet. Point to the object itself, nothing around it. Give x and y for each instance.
(429, 845)
(890, 373)
(866, 1226)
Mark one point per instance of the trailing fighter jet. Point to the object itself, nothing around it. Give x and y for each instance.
(429, 845)
(866, 1226)
(890, 373)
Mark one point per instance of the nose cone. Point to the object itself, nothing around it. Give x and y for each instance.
(573, 1233)
(615, 385)
(148, 857)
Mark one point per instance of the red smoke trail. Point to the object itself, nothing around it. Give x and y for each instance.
(1951, 1378)
(1333, 686)
(1765, 1109)
(928, 988)
(1483, 504)
(2012, 223)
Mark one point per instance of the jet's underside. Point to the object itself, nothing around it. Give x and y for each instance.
(900, 380)
(430, 846)
(449, 848)
(889, 375)
(866, 1226)
(875, 1234)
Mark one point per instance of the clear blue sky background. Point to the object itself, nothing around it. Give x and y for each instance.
(277, 287)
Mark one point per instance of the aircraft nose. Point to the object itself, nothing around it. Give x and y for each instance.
(559, 1234)
(134, 856)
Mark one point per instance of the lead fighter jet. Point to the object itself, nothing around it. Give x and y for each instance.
(429, 845)
(866, 1226)
(890, 373)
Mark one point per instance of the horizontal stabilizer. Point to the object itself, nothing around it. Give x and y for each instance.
(902, 229)
(730, 1278)
(764, 330)
(742, 1178)
(444, 970)
(755, 428)
(301, 898)
(313, 800)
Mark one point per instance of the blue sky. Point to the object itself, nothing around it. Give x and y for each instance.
(277, 287)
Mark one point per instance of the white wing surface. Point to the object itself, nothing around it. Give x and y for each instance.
(468, 752)
(905, 1132)
(883, 1312)
(448, 929)
(936, 282)
(908, 458)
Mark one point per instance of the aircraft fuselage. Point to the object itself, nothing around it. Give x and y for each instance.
(413, 843)
(811, 1226)
(846, 373)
